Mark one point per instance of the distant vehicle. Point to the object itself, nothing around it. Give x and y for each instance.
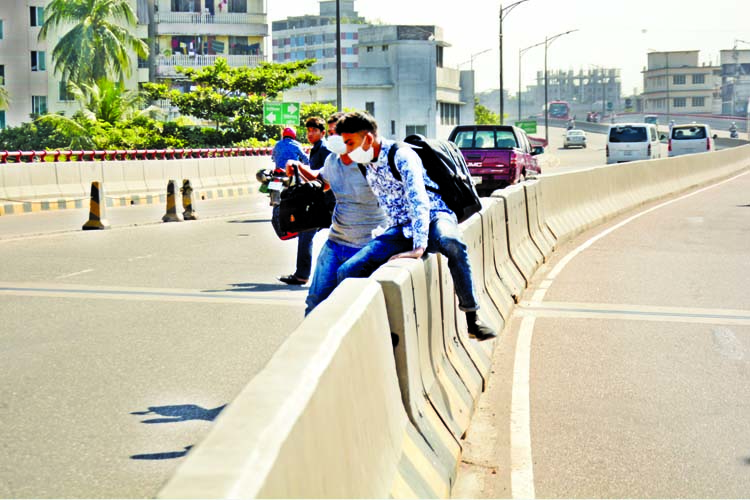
(574, 138)
(632, 141)
(593, 117)
(559, 110)
(689, 139)
(497, 155)
(652, 119)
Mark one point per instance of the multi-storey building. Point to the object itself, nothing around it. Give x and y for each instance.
(26, 65)
(585, 90)
(400, 79)
(735, 82)
(194, 33)
(314, 37)
(675, 83)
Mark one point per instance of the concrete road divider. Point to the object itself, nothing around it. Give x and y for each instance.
(506, 269)
(497, 289)
(396, 281)
(523, 251)
(324, 419)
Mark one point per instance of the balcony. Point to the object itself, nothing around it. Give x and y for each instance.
(196, 23)
(166, 65)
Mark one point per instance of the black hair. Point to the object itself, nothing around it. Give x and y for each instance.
(356, 121)
(316, 122)
(334, 117)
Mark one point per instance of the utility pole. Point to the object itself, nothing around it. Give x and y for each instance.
(339, 105)
(504, 12)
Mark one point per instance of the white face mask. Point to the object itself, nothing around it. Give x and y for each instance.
(360, 155)
(336, 145)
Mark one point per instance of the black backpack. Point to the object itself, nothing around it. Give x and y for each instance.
(446, 166)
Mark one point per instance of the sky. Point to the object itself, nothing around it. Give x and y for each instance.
(610, 33)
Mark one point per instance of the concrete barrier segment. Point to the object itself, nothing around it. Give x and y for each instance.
(171, 213)
(497, 289)
(523, 252)
(540, 233)
(395, 279)
(456, 397)
(323, 419)
(471, 360)
(96, 209)
(507, 271)
(68, 176)
(44, 181)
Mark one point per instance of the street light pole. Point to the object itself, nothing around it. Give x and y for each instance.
(504, 12)
(547, 41)
(339, 105)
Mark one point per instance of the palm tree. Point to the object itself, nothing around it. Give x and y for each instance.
(100, 42)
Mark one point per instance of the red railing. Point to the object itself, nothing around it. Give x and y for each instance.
(128, 154)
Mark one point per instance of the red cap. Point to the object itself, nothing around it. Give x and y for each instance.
(289, 132)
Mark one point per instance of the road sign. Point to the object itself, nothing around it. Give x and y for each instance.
(528, 126)
(280, 113)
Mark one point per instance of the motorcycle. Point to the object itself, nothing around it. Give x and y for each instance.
(733, 134)
(273, 181)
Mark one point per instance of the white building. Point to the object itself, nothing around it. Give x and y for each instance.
(675, 83)
(400, 79)
(735, 82)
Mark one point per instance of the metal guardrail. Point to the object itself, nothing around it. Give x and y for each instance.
(128, 154)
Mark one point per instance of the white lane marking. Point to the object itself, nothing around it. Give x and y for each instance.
(243, 297)
(74, 274)
(522, 483)
(140, 257)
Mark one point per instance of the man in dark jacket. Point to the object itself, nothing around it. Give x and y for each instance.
(316, 128)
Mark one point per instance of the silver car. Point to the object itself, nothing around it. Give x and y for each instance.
(575, 137)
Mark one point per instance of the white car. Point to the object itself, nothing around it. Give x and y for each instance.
(631, 142)
(689, 139)
(574, 137)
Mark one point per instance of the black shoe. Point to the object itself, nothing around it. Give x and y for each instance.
(480, 331)
(292, 280)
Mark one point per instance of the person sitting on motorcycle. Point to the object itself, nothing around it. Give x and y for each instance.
(733, 130)
(288, 149)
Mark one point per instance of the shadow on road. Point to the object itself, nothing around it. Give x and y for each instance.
(162, 456)
(179, 413)
(256, 287)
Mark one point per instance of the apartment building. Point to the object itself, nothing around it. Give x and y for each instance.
(194, 33)
(314, 37)
(675, 83)
(400, 79)
(735, 82)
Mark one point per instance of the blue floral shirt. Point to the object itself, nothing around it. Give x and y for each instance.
(406, 202)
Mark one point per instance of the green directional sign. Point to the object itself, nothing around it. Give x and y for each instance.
(528, 126)
(280, 113)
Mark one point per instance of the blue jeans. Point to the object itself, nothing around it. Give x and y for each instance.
(444, 237)
(304, 254)
(330, 258)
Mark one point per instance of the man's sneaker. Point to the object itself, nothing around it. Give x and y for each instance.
(292, 280)
(480, 331)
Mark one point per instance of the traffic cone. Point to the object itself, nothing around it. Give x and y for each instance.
(96, 209)
(187, 200)
(171, 215)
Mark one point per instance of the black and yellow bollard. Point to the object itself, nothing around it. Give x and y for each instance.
(171, 215)
(96, 209)
(187, 200)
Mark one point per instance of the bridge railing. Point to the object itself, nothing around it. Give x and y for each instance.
(127, 154)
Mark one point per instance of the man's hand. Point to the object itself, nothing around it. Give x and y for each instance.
(290, 167)
(413, 254)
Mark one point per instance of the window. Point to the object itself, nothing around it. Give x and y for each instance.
(39, 104)
(393, 127)
(678, 79)
(450, 114)
(699, 79)
(186, 5)
(370, 108)
(2, 74)
(2, 119)
(238, 6)
(369, 49)
(1, 29)
(63, 92)
(699, 102)
(385, 48)
(36, 14)
(679, 102)
(416, 129)
(38, 61)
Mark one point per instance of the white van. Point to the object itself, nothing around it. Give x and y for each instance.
(632, 141)
(689, 139)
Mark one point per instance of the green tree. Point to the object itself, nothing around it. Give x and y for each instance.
(99, 44)
(483, 116)
(232, 98)
(4, 96)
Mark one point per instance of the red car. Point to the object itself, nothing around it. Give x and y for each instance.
(497, 155)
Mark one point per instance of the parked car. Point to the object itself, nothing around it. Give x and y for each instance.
(574, 137)
(497, 155)
(632, 141)
(688, 139)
